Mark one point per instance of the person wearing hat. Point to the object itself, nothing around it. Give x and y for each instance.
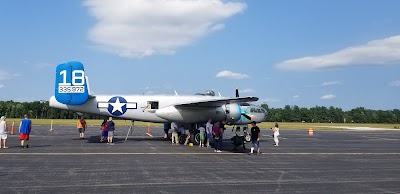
(3, 131)
(255, 138)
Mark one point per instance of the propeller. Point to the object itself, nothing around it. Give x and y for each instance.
(243, 114)
(247, 116)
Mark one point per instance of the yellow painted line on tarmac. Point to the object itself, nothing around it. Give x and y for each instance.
(191, 153)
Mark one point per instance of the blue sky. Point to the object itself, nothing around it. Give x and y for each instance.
(307, 53)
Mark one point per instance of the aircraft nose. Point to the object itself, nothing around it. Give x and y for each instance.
(264, 115)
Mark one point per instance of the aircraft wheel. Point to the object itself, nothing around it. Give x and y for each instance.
(196, 138)
(248, 137)
(182, 139)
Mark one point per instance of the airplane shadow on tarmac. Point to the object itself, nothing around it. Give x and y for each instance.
(227, 144)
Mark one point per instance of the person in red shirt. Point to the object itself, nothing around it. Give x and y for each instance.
(104, 130)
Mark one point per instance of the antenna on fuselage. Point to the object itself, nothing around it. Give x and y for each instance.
(176, 93)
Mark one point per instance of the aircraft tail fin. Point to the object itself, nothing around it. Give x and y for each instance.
(71, 84)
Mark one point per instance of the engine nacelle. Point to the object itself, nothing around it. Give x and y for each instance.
(190, 115)
(233, 113)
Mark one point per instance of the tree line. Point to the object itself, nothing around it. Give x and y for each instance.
(317, 114)
(38, 110)
(321, 114)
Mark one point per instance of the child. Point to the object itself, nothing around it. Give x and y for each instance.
(202, 132)
(276, 134)
(104, 130)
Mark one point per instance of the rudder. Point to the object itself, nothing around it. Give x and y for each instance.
(71, 84)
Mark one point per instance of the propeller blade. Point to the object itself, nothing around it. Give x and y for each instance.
(237, 93)
(247, 116)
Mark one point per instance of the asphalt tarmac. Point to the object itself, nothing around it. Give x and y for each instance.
(328, 162)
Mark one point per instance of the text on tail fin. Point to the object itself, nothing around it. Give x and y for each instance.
(71, 87)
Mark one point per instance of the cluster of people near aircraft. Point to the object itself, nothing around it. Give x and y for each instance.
(107, 128)
(211, 134)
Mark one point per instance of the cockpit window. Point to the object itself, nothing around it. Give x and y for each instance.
(244, 104)
(207, 93)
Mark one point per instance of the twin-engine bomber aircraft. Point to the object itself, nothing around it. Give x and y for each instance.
(72, 93)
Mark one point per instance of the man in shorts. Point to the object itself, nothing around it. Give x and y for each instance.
(255, 138)
(24, 130)
(111, 129)
(81, 125)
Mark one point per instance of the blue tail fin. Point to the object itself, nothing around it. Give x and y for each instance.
(71, 84)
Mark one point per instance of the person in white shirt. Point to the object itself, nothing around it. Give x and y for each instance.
(3, 131)
(209, 128)
(276, 134)
(175, 129)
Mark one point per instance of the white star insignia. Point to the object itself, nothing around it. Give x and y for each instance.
(117, 106)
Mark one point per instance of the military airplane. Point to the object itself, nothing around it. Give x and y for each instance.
(72, 93)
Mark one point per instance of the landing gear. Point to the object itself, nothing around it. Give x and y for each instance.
(247, 136)
(130, 131)
(240, 139)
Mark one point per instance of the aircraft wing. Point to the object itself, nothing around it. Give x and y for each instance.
(216, 102)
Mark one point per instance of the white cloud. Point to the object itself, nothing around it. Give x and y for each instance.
(296, 96)
(395, 83)
(142, 27)
(4, 75)
(232, 75)
(328, 97)
(246, 90)
(331, 83)
(376, 52)
(1, 86)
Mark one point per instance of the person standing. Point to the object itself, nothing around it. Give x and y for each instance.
(3, 131)
(166, 129)
(202, 131)
(255, 138)
(104, 130)
(276, 134)
(217, 133)
(111, 129)
(209, 128)
(175, 139)
(81, 125)
(24, 130)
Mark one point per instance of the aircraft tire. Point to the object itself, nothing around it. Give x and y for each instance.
(248, 138)
(197, 138)
(182, 139)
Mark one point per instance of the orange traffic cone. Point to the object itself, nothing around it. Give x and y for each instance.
(310, 131)
(12, 129)
(148, 130)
